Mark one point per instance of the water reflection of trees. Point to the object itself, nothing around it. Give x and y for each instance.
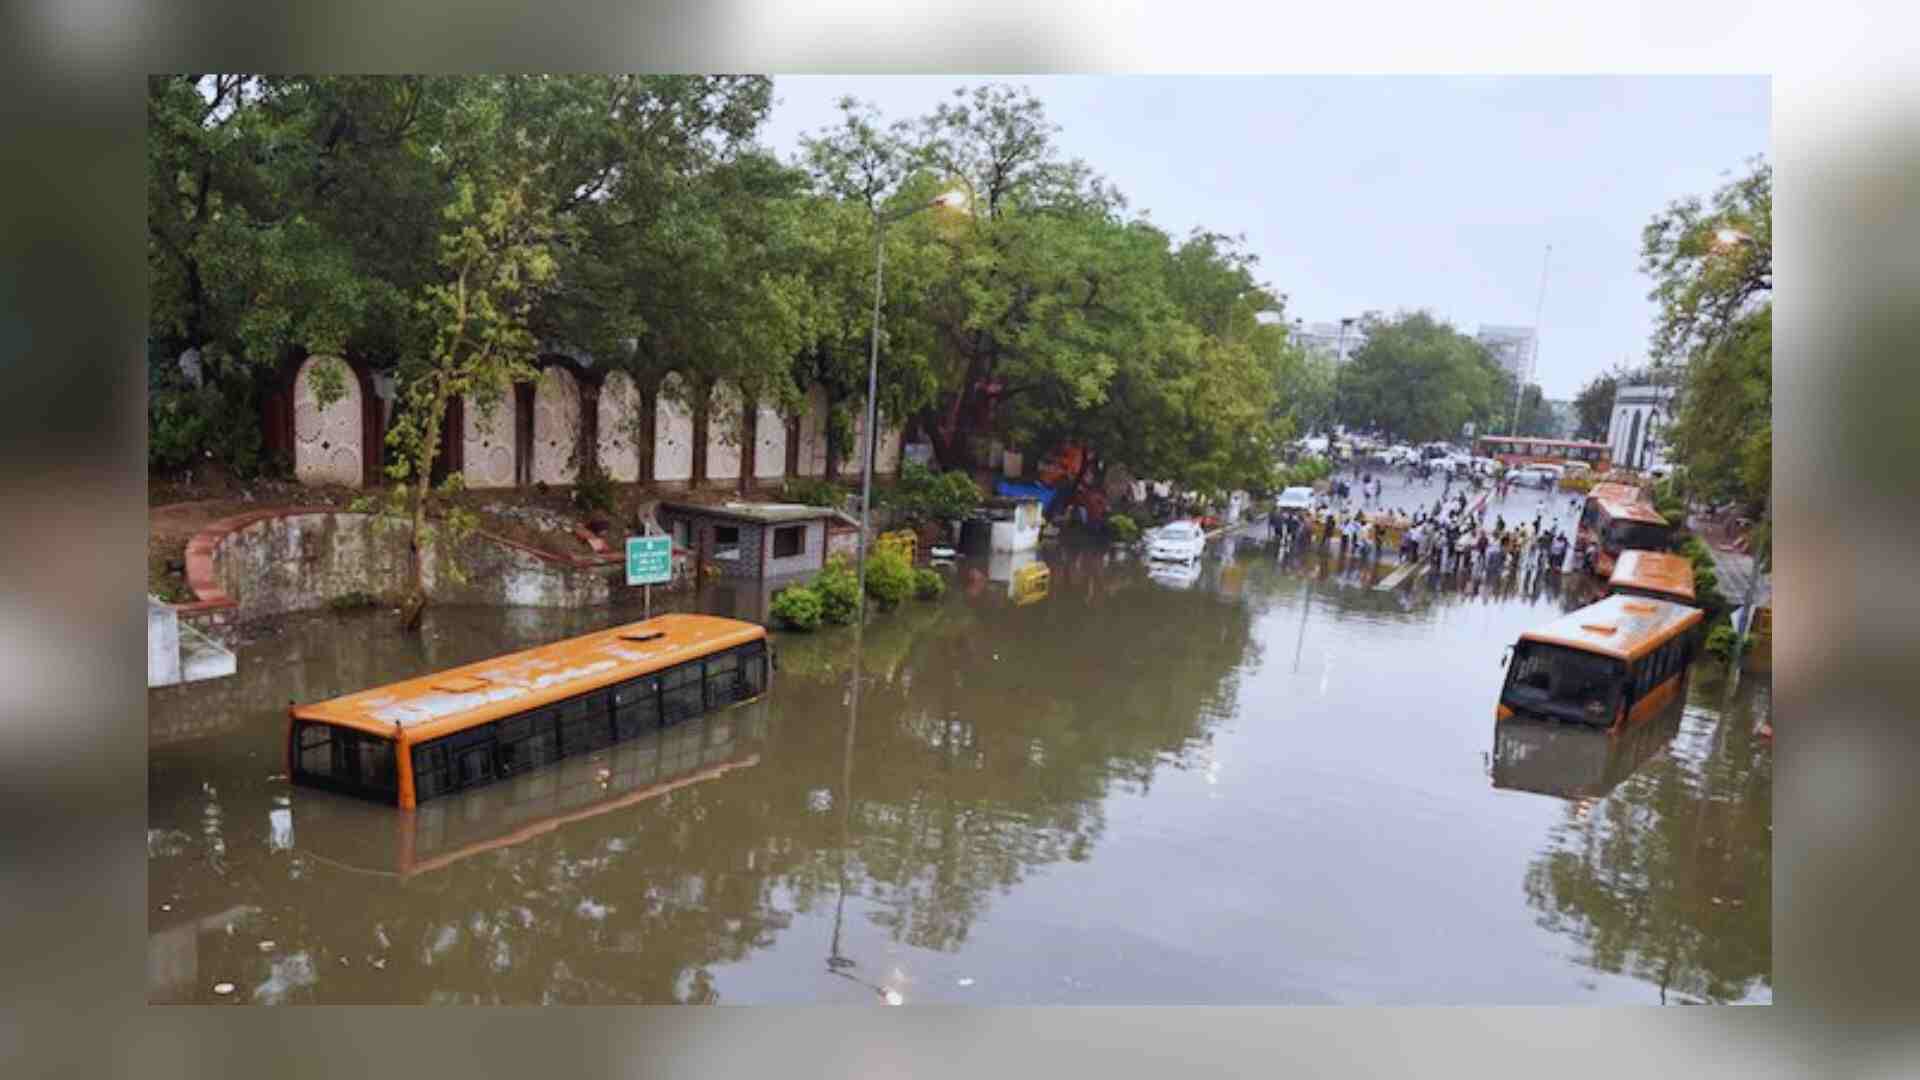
(989, 735)
(1669, 879)
(988, 742)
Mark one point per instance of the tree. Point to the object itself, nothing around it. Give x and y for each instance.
(1712, 266)
(1421, 379)
(495, 255)
(1593, 407)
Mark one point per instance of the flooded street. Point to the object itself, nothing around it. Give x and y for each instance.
(1266, 782)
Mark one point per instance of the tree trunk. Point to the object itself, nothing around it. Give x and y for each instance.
(415, 606)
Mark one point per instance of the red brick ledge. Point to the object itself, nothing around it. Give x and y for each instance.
(212, 598)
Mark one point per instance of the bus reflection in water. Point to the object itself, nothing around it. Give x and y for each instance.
(1577, 763)
(359, 836)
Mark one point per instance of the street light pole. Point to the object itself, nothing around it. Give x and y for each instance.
(1539, 307)
(1339, 365)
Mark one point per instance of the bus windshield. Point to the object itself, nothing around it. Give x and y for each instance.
(1637, 534)
(1563, 683)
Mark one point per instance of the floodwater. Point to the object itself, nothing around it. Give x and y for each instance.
(1264, 782)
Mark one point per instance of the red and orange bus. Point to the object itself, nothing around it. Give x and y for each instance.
(469, 726)
(1609, 664)
(1515, 451)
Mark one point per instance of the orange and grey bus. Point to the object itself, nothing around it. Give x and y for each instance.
(1659, 575)
(426, 737)
(1610, 526)
(1609, 664)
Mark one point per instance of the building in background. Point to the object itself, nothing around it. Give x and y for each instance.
(1324, 339)
(1565, 420)
(1637, 431)
(1513, 347)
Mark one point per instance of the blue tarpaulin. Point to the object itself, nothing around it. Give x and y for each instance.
(1009, 490)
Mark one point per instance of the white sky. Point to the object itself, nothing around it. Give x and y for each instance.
(1385, 193)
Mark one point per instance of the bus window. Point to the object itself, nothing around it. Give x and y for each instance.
(736, 675)
(1564, 683)
(1637, 534)
(346, 759)
(682, 693)
(527, 741)
(431, 776)
(636, 707)
(585, 724)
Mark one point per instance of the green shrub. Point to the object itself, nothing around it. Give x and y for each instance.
(839, 592)
(189, 426)
(928, 584)
(798, 608)
(593, 491)
(813, 491)
(1123, 528)
(889, 577)
(922, 495)
(1720, 640)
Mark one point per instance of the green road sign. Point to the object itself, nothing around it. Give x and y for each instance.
(649, 560)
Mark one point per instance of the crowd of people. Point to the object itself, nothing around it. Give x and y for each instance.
(1450, 538)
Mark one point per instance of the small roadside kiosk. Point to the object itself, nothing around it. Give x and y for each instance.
(753, 541)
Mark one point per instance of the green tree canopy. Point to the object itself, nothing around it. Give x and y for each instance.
(1421, 379)
(1712, 266)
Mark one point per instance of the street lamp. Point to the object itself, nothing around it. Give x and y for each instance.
(880, 222)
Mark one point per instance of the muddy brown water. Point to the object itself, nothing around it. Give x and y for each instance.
(1264, 782)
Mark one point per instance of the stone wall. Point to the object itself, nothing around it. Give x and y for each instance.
(304, 560)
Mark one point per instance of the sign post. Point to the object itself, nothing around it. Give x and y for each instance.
(649, 563)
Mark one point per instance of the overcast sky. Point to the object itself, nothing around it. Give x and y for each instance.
(1395, 192)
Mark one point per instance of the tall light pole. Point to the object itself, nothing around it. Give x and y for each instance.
(1539, 306)
(871, 436)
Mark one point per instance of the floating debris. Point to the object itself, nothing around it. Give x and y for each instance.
(966, 982)
(267, 946)
(223, 988)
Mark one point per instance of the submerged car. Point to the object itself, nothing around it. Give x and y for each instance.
(1174, 574)
(1181, 541)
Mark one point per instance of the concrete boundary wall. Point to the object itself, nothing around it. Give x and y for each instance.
(276, 561)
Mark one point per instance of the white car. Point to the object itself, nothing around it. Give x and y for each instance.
(1180, 541)
(1295, 498)
(1175, 575)
(1534, 476)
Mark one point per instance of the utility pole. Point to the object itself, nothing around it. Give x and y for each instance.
(1539, 306)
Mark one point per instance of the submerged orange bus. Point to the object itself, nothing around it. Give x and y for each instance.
(360, 837)
(423, 738)
(1611, 525)
(1659, 575)
(1610, 664)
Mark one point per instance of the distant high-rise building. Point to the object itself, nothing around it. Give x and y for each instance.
(1513, 347)
(1324, 339)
